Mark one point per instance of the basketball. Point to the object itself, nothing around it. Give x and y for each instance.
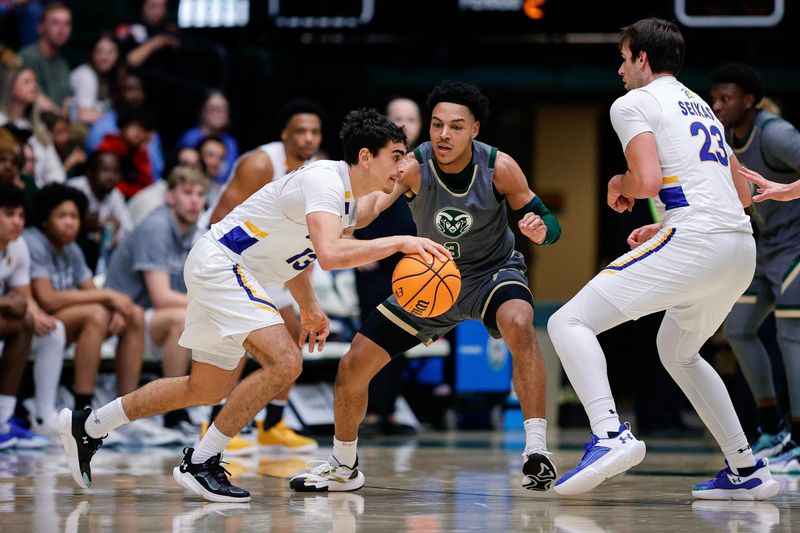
(423, 289)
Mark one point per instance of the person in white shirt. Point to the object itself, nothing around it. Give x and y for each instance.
(91, 82)
(270, 239)
(694, 265)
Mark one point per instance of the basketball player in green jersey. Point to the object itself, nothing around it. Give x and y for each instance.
(459, 191)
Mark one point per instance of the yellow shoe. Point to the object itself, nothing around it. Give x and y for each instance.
(238, 445)
(281, 438)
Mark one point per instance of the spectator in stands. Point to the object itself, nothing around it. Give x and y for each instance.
(130, 145)
(91, 82)
(106, 221)
(45, 59)
(149, 35)
(18, 107)
(212, 158)
(10, 160)
(16, 325)
(374, 283)
(62, 285)
(148, 267)
(67, 142)
(128, 91)
(214, 119)
(189, 157)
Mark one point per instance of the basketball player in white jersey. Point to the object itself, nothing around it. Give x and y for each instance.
(694, 265)
(300, 123)
(270, 239)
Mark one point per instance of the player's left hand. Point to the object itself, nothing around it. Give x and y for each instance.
(616, 200)
(314, 326)
(533, 228)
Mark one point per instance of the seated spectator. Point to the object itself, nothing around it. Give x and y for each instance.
(67, 142)
(148, 267)
(189, 157)
(130, 145)
(214, 119)
(106, 221)
(149, 35)
(16, 328)
(212, 158)
(48, 333)
(128, 91)
(91, 82)
(45, 59)
(62, 285)
(18, 108)
(10, 160)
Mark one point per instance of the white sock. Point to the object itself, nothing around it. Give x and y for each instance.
(737, 452)
(212, 443)
(48, 359)
(345, 452)
(603, 417)
(106, 419)
(535, 434)
(7, 405)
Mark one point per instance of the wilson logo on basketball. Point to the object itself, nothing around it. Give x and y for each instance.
(420, 307)
(452, 222)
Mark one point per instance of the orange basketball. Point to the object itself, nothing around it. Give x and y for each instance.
(423, 289)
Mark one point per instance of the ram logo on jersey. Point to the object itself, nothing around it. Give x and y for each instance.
(452, 222)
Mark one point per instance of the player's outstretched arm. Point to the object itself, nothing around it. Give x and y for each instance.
(770, 190)
(253, 171)
(373, 204)
(533, 218)
(334, 252)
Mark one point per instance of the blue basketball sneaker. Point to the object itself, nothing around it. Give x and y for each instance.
(604, 458)
(26, 439)
(730, 485)
(768, 445)
(787, 462)
(7, 440)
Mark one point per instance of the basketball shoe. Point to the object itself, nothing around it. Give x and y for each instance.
(208, 480)
(282, 438)
(539, 472)
(328, 476)
(240, 444)
(769, 445)
(80, 447)
(26, 439)
(730, 485)
(786, 463)
(604, 458)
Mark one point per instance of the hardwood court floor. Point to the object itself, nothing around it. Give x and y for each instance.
(440, 482)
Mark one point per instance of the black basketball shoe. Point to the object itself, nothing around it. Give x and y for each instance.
(80, 447)
(538, 470)
(208, 480)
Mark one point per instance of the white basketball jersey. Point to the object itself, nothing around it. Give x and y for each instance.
(697, 191)
(277, 156)
(267, 233)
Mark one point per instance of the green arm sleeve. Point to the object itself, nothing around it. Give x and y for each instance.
(537, 207)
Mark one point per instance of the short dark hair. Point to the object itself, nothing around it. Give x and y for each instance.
(130, 115)
(744, 76)
(366, 128)
(94, 157)
(53, 195)
(53, 6)
(11, 195)
(660, 39)
(296, 107)
(458, 92)
(210, 139)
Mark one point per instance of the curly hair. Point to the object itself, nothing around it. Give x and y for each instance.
(366, 128)
(744, 76)
(52, 196)
(458, 92)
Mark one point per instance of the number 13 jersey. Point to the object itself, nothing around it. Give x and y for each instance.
(267, 234)
(697, 191)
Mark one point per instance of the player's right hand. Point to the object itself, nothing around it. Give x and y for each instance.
(769, 190)
(424, 247)
(643, 234)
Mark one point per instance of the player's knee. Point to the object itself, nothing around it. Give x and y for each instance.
(293, 365)
(354, 367)
(516, 324)
(557, 323)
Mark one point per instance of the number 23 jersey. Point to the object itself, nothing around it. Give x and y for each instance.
(697, 191)
(267, 234)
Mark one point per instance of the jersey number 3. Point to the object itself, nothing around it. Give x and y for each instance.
(707, 153)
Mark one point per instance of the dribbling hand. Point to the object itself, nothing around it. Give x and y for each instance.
(424, 247)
